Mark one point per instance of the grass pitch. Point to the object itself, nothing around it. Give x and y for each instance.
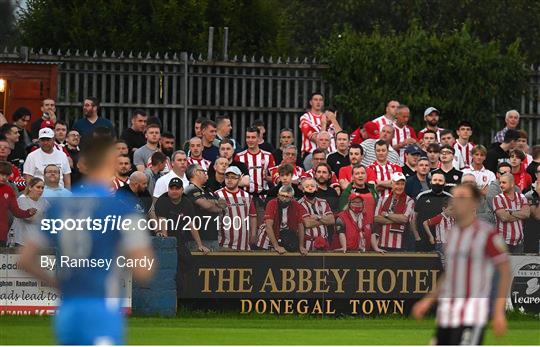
(227, 329)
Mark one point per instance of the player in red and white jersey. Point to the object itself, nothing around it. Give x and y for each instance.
(290, 154)
(314, 121)
(195, 153)
(431, 116)
(389, 116)
(320, 216)
(239, 225)
(473, 250)
(380, 172)
(123, 168)
(257, 161)
(404, 134)
(511, 208)
(392, 215)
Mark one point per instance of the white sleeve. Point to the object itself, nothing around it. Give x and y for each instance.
(29, 165)
(65, 164)
(158, 188)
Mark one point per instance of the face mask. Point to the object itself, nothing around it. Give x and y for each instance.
(357, 209)
(284, 204)
(437, 188)
(310, 195)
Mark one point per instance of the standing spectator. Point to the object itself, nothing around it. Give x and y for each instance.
(430, 137)
(428, 204)
(483, 176)
(447, 138)
(207, 206)
(30, 200)
(48, 113)
(134, 135)
(52, 183)
(412, 154)
(323, 177)
(360, 186)
(289, 157)
(223, 130)
(258, 162)
(158, 162)
(318, 157)
(36, 161)
(523, 146)
(319, 219)
(431, 117)
(196, 153)
(15, 176)
(121, 147)
(91, 119)
(283, 228)
(286, 137)
(404, 134)
(463, 146)
(418, 182)
(167, 144)
(72, 148)
(240, 207)
(217, 180)
(123, 170)
(226, 151)
(356, 156)
(18, 153)
(60, 134)
(370, 130)
(486, 211)
(511, 208)
(142, 155)
(452, 177)
(390, 115)
(340, 158)
(500, 152)
(209, 133)
(380, 172)
(179, 165)
(21, 118)
(512, 121)
(535, 163)
(392, 216)
(323, 140)
(521, 178)
(531, 240)
(8, 202)
(263, 144)
(387, 134)
(197, 131)
(137, 189)
(315, 121)
(433, 152)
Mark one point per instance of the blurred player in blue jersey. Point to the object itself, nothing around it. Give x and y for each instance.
(90, 310)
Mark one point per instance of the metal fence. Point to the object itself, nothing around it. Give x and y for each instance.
(178, 88)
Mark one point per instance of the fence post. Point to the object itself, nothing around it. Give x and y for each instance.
(184, 97)
(225, 43)
(210, 43)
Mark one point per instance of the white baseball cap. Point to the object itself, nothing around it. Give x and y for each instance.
(398, 176)
(233, 169)
(431, 109)
(46, 133)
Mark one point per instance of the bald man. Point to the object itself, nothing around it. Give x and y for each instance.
(137, 190)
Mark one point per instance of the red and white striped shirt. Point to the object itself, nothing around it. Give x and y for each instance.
(400, 135)
(235, 228)
(443, 224)
(382, 121)
(466, 155)
(204, 163)
(311, 123)
(257, 165)
(389, 236)
(378, 172)
(471, 256)
(117, 183)
(298, 173)
(512, 232)
(318, 207)
(438, 132)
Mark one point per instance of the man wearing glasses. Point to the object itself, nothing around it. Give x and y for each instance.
(451, 175)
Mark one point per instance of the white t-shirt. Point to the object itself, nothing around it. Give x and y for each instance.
(162, 184)
(37, 161)
(22, 227)
(484, 177)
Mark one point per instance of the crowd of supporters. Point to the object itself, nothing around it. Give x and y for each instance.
(383, 187)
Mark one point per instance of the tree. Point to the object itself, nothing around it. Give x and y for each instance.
(454, 72)
(8, 32)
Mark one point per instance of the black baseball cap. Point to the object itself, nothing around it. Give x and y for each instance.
(176, 182)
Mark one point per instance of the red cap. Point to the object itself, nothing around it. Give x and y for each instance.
(354, 195)
(47, 124)
(372, 130)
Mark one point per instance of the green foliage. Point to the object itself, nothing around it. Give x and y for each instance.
(454, 72)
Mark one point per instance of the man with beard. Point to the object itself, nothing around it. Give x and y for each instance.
(340, 158)
(167, 144)
(356, 155)
(86, 125)
(431, 116)
(428, 204)
(320, 217)
(323, 178)
(123, 169)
